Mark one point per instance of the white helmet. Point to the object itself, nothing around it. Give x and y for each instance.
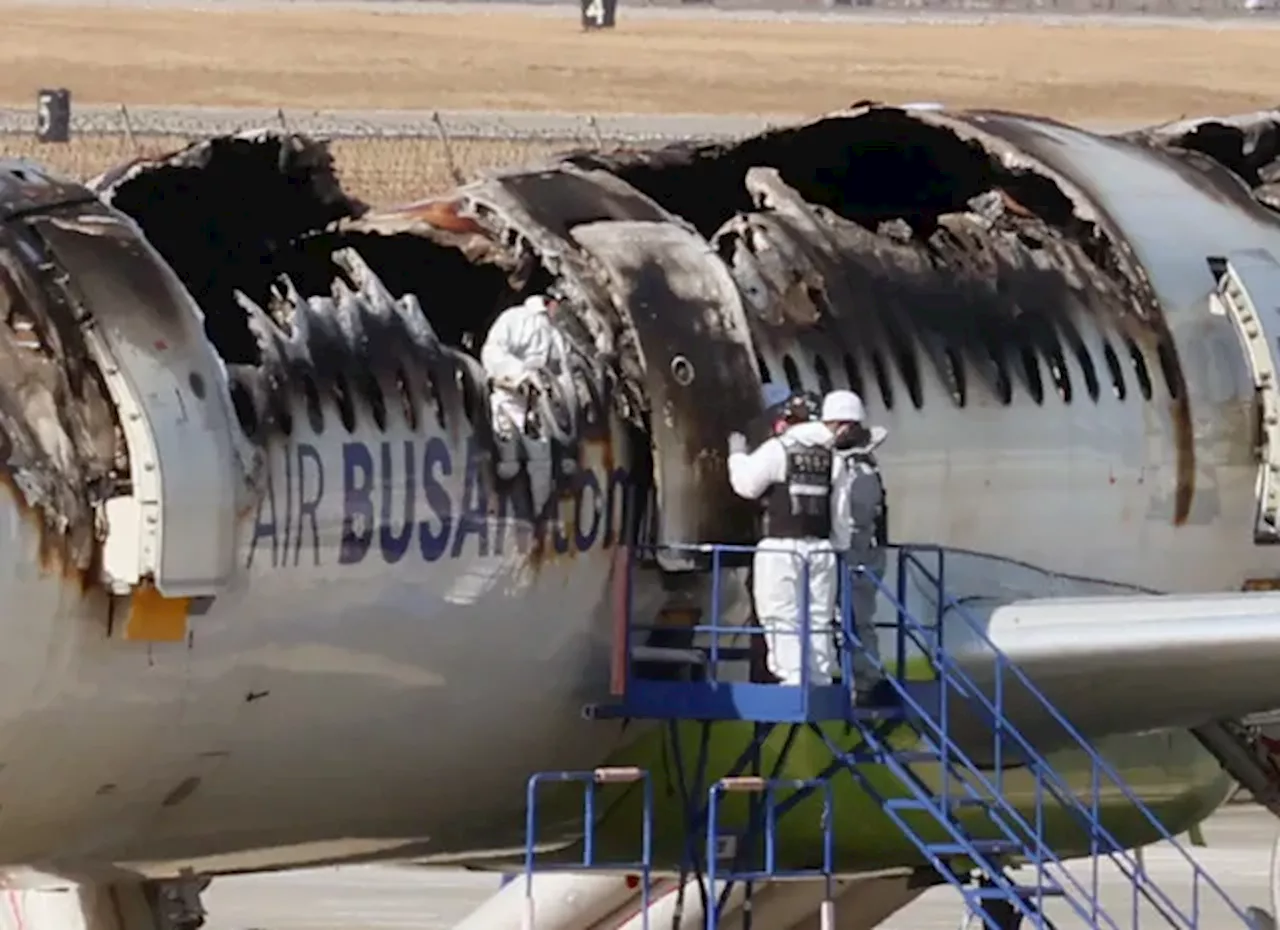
(843, 406)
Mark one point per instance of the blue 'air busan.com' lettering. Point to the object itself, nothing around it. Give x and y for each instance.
(406, 499)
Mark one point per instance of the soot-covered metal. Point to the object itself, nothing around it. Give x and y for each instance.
(1248, 146)
(908, 240)
(911, 237)
(905, 235)
(58, 433)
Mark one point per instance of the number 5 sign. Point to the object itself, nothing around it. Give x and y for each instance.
(53, 115)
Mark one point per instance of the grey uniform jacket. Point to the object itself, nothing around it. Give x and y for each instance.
(857, 502)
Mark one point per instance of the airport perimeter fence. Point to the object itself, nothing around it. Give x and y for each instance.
(382, 156)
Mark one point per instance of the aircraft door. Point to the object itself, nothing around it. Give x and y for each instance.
(1249, 291)
(692, 337)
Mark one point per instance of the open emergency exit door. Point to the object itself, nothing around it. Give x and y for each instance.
(692, 337)
(1249, 291)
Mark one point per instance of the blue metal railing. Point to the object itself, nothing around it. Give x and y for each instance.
(927, 707)
(716, 631)
(590, 780)
(953, 677)
(769, 866)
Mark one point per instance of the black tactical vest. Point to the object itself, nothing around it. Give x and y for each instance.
(800, 507)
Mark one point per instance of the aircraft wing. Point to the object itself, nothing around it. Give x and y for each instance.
(1121, 664)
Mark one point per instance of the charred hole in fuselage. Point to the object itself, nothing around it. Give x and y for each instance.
(1244, 152)
(459, 298)
(880, 165)
(223, 216)
(239, 214)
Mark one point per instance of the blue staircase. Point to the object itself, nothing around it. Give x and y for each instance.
(938, 820)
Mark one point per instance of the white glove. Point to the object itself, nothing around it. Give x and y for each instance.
(737, 443)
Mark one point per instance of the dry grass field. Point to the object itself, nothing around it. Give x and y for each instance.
(343, 58)
(313, 57)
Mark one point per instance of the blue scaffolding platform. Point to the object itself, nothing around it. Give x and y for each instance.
(928, 816)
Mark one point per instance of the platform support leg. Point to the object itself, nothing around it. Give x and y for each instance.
(690, 787)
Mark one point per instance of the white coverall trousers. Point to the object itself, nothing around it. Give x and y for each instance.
(778, 589)
(865, 595)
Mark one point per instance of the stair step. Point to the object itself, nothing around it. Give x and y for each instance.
(955, 803)
(1025, 892)
(910, 756)
(982, 847)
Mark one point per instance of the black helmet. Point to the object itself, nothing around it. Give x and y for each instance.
(801, 407)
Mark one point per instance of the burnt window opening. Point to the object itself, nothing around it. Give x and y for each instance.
(1057, 364)
(792, 373)
(311, 398)
(408, 408)
(904, 353)
(955, 370)
(1117, 373)
(852, 374)
(468, 395)
(825, 384)
(999, 372)
(1169, 368)
(1083, 358)
(882, 379)
(763, 368)
(1031, 369)
(372, 392)
(342, 397)
(242, 402)
(437, 403)
(281, 413)
(1139, 368)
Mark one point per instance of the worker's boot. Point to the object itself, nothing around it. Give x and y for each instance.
(875, 693)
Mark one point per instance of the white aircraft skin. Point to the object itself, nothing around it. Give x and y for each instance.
(309, 676)
(392, 699)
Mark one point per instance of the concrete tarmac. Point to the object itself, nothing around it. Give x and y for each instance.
(406, 897)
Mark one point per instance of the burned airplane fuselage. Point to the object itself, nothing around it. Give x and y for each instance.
(1071, 339)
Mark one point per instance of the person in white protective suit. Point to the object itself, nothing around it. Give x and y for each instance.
(522, 345)
(791, 473)
(857, 524)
